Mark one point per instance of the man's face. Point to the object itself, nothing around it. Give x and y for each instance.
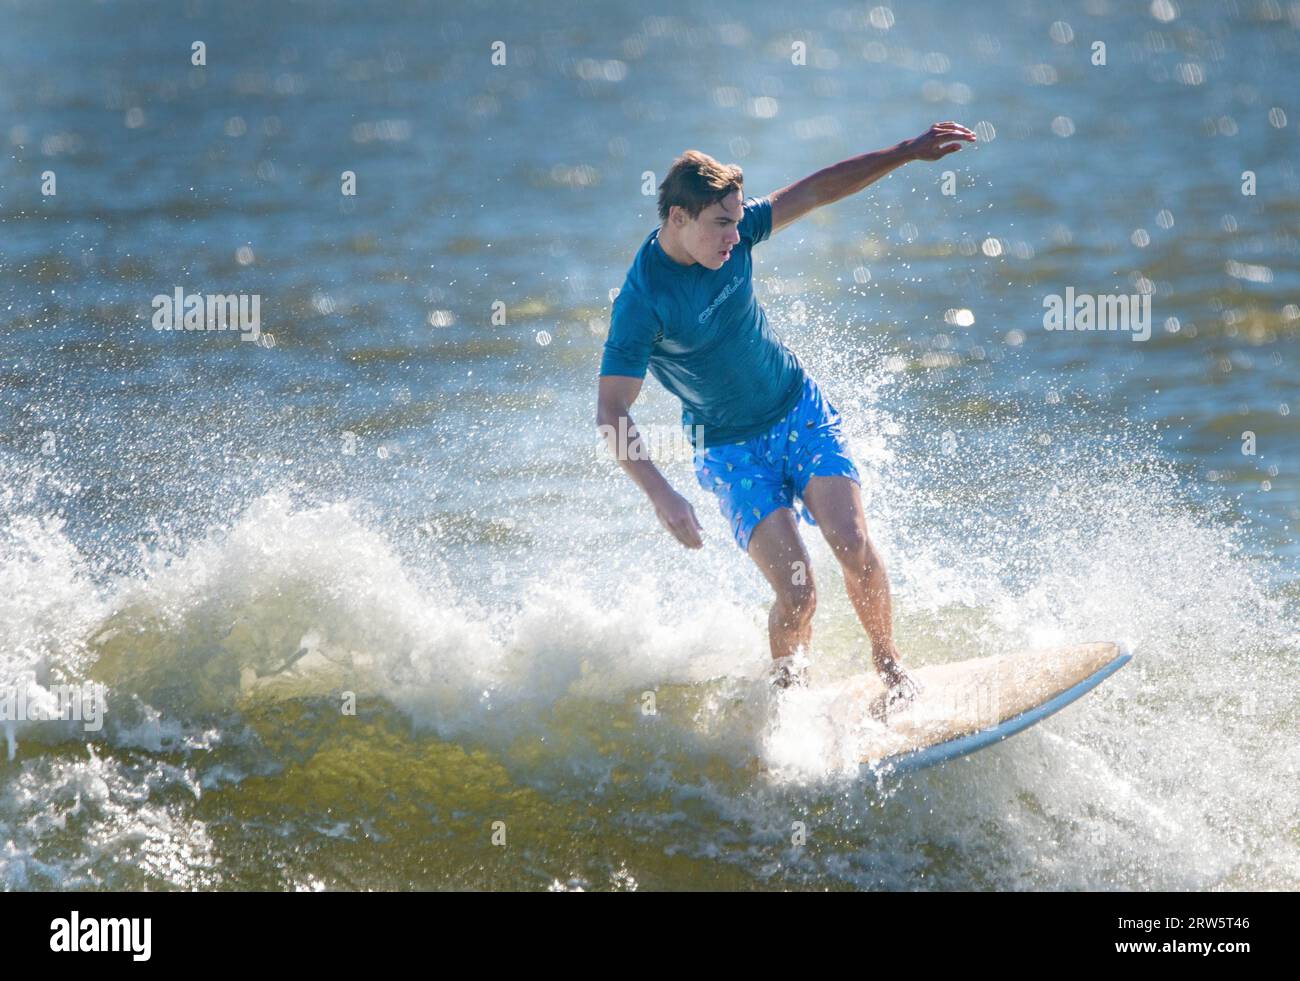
(710, 237)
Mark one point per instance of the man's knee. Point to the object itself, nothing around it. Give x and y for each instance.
(851, 545)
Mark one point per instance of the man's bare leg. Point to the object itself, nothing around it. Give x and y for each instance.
(778, 551)
(836, 504)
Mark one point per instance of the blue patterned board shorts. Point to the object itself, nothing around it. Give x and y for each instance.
(754, 477)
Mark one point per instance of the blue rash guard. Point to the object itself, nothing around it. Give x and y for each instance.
(702, 333)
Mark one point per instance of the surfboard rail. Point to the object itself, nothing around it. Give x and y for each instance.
(1043, 669)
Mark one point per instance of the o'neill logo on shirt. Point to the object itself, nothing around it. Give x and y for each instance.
(727, 291)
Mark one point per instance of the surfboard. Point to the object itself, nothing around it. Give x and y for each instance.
(968, 705)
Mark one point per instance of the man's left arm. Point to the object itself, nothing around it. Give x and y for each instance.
(850, 176)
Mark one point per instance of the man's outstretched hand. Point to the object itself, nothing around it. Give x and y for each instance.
(939, 140)
(677, 515)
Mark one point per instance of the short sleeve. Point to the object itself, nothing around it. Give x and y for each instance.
(756, 223)
(633, 329)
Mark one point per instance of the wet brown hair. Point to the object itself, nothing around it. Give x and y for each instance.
(695, 181)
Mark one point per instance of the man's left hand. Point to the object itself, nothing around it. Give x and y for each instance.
(938, 141)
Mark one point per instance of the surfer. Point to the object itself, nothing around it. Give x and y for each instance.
(766, 439)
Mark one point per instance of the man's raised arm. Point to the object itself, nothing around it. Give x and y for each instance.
(852, 175)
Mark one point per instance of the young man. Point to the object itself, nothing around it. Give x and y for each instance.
(764, 434)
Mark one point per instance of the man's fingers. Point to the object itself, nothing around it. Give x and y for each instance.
(686, 534)
(695, 529)
(937, 142)
(952, 129)
(693, 532)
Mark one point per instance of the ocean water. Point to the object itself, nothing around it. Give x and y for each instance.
(400, 494)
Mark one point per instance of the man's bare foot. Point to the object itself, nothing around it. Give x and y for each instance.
(901, 688)
(790, 671)
(784, 676)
